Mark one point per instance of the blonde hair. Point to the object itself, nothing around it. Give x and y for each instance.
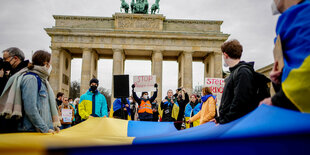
(206, 91)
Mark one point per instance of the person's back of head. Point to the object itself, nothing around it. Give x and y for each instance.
(206, 91)
(40, 58)
(233, 49)
(59, 94)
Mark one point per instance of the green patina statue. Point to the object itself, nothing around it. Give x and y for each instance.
(155, 7)
(124, 6)
(139, 6)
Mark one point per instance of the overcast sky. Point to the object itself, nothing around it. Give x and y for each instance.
(22, 24)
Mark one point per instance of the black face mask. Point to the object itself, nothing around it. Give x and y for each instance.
(93, 88)
(7, 66)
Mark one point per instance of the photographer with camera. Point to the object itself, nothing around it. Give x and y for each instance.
(182, 98)
(169, 108)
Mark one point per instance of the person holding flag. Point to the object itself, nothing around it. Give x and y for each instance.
(192, 109)
(117, 112)
(207, 107)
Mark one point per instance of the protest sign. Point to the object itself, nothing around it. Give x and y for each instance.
(66, 115)
(217, 87)
(144, 83)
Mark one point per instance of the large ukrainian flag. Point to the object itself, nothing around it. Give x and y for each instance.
(266, 130)
(294, 29)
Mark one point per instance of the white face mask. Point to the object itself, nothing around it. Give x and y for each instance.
(130, 101)
(274, 8)
(145, 96)
(49, 70)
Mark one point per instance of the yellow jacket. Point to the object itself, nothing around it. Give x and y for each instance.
(206, 113)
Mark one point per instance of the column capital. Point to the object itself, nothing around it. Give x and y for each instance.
(117, 50)
(217, 53)
(55, 48)
(87, 49)
(187, 51)
(157, 51)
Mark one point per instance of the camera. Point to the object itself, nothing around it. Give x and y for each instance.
(179, 89)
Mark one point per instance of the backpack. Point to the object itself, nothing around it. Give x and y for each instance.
(11, 125)
(262, 90)
(38, 79)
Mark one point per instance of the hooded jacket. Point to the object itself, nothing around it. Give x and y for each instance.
(207, 111)
(87, 106)
(238, 95)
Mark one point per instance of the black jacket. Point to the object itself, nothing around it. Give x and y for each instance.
(238, 95)
(144, 116)
(280, 99)
(182, 103)
(4, 79)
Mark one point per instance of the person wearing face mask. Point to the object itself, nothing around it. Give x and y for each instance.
(65, 122)
(293, 31)
(39, 106)
(117, 111)
(145, 107)
(93, 103)
(238, 95)
(13, 61)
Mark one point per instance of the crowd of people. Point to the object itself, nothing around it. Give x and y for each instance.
(28, 104)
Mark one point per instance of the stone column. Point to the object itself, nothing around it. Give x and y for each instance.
(86, 74)
(157, 69)
(188, 71)
(218, 67)
(118, 66)
(54, 78)
(213, 65)
(185, 61)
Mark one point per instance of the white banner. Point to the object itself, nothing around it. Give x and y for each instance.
(144, 83)
(217, 87)
(66, 115)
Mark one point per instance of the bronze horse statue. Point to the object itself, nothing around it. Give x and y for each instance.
(124, 6)
(155, 7)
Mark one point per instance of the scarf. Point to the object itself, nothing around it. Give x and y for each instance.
(43, 74)
(10, 99)
(205, 98)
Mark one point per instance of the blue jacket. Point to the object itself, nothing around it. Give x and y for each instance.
(117, 105)
(189, 110)
(36, 106)
(87, 106)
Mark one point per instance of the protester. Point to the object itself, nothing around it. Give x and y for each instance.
(169, 108)
(238, 95)
(121, 109)
(65, 122)
(133, 108)
(59, 98)
(77, 116)
(183, 99)
(155, 111)
(145, 107)
(207, 107)
(293, 29)
(93, 103)
(192, 109)
(39, 107)
(4, 76)
(14, 61)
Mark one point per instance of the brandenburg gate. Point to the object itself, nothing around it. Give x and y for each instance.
(133, 37)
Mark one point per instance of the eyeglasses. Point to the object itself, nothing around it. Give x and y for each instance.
(65, 100)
